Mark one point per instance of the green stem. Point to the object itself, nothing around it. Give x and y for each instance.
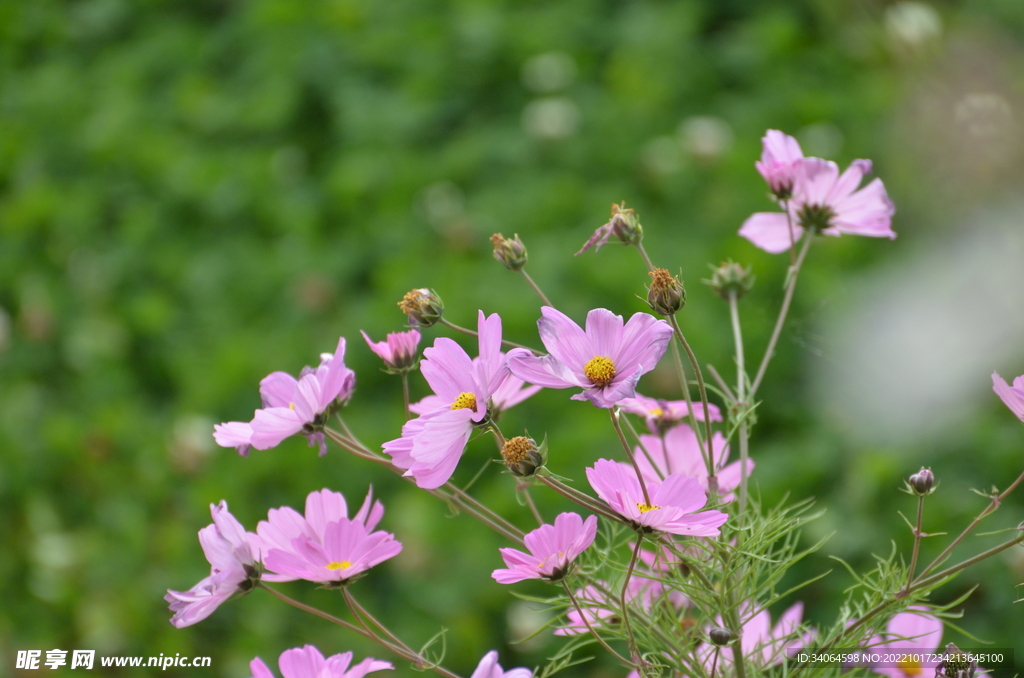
(704, 451)
(741, 386)
(922, 583)
(583, 617)
(643, 253)
(543, 297)
(712, 480)
(917, 545)
(474, 333)
(525, 489)
(312, 610)
(634, 650)
(614, 412)
(587, 502)
(991, 508)
(794, 272)
(405, 395)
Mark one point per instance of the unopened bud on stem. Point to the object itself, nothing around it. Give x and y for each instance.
(666, 294)
(720, 636)
(729, 278)
(922, 482)
(510, 252)
(423, 307)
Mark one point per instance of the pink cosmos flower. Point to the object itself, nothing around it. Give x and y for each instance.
(680, 453)
(490, 668)
(1013, 396)
(293, 406)
(398, 352)
(307, 662)
(661, 415)
(284, 525)
(912, 632)
(432, 444)
(673, 502)
(606, 360)
(233, 569)
(511, 392)
(780, 158)
(346, 549)
(552, 550)
(827, 202)
(763, 643)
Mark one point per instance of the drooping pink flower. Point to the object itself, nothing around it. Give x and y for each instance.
(661, 415)
(399, 351)
(606, 360)
(780, 158)
(680, 453)
(1013, 396)
(762, 643)
(552, 550)
(914, 632)
(490, 668)
(284, 525)
(293, 406)
(307, 662)
(826, 202)
(673, 506)
(233, 569)
(348, 548)
(432, 444)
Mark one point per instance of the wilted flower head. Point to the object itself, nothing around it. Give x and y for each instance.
(233, 569)
(432, 444)
(666, 294)
(673, 506)
(552, 550)
(490, 668)
(423, 307)
(606, 360)
(780, 158)
(307, 662)
(284, 525)
(522, 456)
(1013, 396)
(623, 225)
(661, 415)
(293, 406)
(398, 352)
(510, 252)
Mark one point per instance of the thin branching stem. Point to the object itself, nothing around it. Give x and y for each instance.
(536, 288)
(741, 388)
(474, 333)
(993, 505)
(584, 500)
(684, 385)
(643, 253)
(712, 481)
(525, 490)
(634, 650)
(614, 412)
(791, 277)
(586, 622)
(917, 544)
(314, 611)
(405, 395)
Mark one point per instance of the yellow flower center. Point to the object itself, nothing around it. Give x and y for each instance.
(656, 412)
(465, 401)
(338, 566)
(644, 508)
(910, 667)
(600, 370)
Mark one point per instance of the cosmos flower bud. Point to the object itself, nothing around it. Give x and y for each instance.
(666, 294)
(423, 307)
(729, 278)
(522, 456)
(922, 482)
(511, 253)
(720, 636)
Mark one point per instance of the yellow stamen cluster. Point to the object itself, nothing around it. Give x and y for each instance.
(515, 449)
(656, 412)
(600, 370)
(910, 667)
(644, 508)
(338, 566)
(465, 401)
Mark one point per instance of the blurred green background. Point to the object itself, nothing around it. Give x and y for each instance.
(194, 194)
